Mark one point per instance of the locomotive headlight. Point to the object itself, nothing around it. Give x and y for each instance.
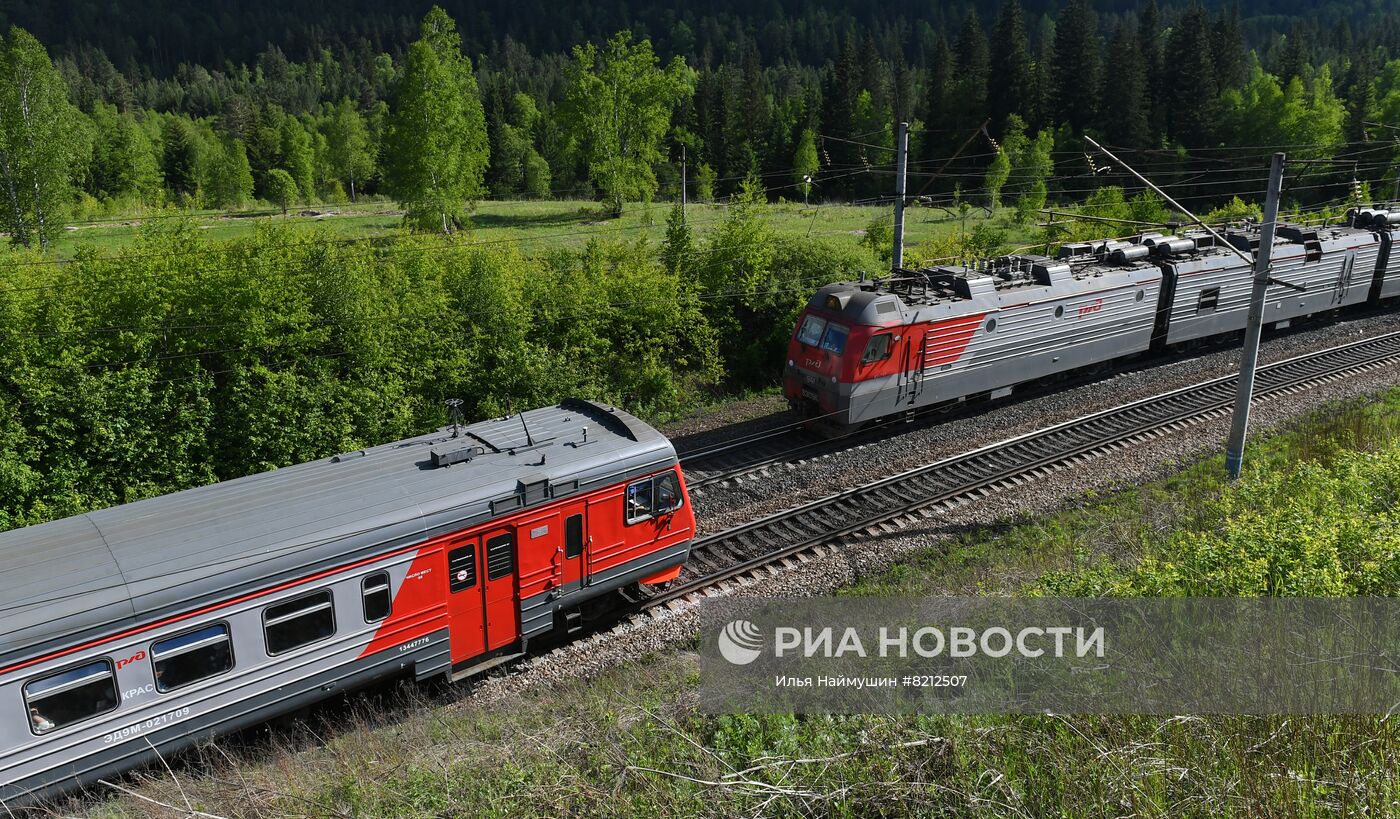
(792, 363)
(833, 379)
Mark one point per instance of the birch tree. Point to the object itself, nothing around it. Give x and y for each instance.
(42, 138)
(619, 107)
(436, 149)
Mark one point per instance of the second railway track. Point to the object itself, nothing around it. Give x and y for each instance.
(727, 556)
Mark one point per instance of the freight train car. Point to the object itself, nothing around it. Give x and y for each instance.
(144, 627)
(866, 350)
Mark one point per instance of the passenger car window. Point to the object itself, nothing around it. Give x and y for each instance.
(377, 597)
(298, 622)
(878, 348)
(71, 696)
(193, 656)
(811, 331)
(500, 556)
(835, 338)
(639, 501)
(461, 567)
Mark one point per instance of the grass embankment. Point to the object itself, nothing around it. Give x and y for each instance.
(1315, 515)
(538, 224)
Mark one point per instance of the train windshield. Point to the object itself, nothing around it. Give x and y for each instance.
(811, 331)
(835, 338)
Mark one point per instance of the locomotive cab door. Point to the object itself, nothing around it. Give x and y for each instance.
(576, 541)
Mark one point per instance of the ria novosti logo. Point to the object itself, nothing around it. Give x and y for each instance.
(740, 642)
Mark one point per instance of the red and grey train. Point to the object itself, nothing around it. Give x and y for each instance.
(866, 350)
(147, 626)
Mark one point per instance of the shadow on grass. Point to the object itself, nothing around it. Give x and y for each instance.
(547, 219)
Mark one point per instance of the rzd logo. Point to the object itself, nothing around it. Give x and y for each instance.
(1092, 307)
(740, 642)
(140, 655)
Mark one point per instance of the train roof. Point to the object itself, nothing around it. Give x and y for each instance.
(71, 580)
(981, 285)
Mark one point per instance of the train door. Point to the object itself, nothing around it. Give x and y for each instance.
(500, 589)
(466, 615)
(575, 544)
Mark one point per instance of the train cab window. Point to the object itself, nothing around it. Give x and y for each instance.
(298, 622)
(500, 556)
(639, 501)
(877, 349)
(668, 493)
(655, 496)
(71, 696)
(811, 331)
(573, 536)
(834, 339)
(461, 567)
(193, 656)
(1209, 298)
(377, 598)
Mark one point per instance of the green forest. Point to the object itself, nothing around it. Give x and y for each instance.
(181, 359)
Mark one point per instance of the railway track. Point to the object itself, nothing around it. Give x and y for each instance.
(727, 557)
(791, 444)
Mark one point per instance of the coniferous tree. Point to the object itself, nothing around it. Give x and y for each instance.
(679, 248)
(1227, 48)
(1013, 91)
(973, 68)
(1150, 42)
(903, 100)
(938, 73)
(1191, 90)
(1294, 57)
(1125, 98)
(180, 157)
(839, 93)
(125, 162)
(1076, 69)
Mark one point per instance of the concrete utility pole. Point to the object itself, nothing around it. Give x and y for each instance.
(1249, 359)
(683, 202)
(901, 166)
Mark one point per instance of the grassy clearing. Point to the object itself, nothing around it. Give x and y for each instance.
(538, 225)
(633, 743)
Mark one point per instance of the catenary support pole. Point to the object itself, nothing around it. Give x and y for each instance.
(683, 202)
(901, 166)
(1249, 357)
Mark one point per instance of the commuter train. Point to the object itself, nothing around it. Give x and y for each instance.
(865, 350)
(145, 627)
